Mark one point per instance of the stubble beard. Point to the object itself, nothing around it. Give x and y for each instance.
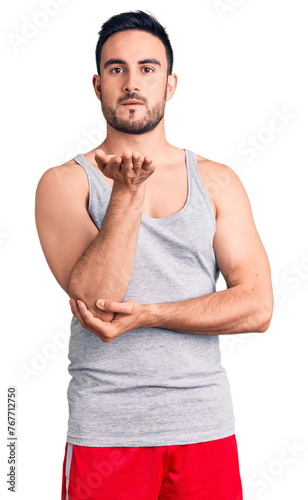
(132, 126)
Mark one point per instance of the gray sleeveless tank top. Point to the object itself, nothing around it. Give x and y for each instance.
(153, 386)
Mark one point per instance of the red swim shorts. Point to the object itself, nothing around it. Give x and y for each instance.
(198, 471)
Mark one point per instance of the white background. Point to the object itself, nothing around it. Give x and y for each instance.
(239, 63)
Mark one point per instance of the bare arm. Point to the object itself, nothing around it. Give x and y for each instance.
(87, 262)
(246, 305)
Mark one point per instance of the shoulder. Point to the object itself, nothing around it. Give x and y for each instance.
(216, 175)
(220, 181)
(61, 185)
(69, 176)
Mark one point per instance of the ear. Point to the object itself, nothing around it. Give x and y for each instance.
(96, 80)
(171, 86)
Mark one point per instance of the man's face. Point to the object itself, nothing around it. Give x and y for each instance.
(133, 67)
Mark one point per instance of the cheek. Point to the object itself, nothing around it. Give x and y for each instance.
(108, 97)
(158, 83)
(154, 91)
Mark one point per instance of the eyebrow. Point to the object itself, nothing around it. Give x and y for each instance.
(120, 61)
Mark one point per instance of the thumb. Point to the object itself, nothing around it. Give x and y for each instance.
(100, 304)
(101, 158)
(114, 307)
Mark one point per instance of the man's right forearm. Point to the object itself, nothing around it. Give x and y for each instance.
(104, 269)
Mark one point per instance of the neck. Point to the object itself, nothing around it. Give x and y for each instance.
(152, 144)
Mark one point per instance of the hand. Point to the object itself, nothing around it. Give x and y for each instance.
(130, 169)
(128, 316)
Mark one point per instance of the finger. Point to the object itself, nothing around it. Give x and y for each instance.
(101, 158)
(137, 160)
(112, 167)
(90, 320)
(127, 163)
(114, 307)
(76, 312)
(73, 305)
(92, 324)
(87, 316)
(116, 160)
(148, 163)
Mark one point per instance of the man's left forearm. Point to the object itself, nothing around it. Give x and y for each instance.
(235, 310)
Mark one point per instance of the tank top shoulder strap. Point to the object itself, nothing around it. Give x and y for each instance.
(196, 185)
(99, 191)
(92, 172)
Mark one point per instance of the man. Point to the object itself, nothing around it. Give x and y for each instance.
(136, 231)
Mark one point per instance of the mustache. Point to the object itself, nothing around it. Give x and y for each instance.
(127, 97)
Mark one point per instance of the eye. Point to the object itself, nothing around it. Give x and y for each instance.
(146, 68)
(114, 70)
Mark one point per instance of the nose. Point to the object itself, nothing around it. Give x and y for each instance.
(131, 82)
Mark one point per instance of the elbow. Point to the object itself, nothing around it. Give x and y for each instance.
(77, 285)
(264, 314)
(264, 326)
(77, 290)
(74, 289)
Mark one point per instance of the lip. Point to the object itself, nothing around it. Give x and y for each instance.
(132, 103)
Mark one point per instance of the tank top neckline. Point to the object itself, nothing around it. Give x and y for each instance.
(146, 217)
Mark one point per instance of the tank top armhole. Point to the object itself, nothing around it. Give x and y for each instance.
(199, 182)
(79, 160)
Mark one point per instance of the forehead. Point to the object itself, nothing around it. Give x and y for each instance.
(132, 46)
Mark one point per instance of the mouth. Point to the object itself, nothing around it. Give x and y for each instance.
(132, 103)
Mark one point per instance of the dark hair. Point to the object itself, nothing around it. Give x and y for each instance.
(137, 20)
